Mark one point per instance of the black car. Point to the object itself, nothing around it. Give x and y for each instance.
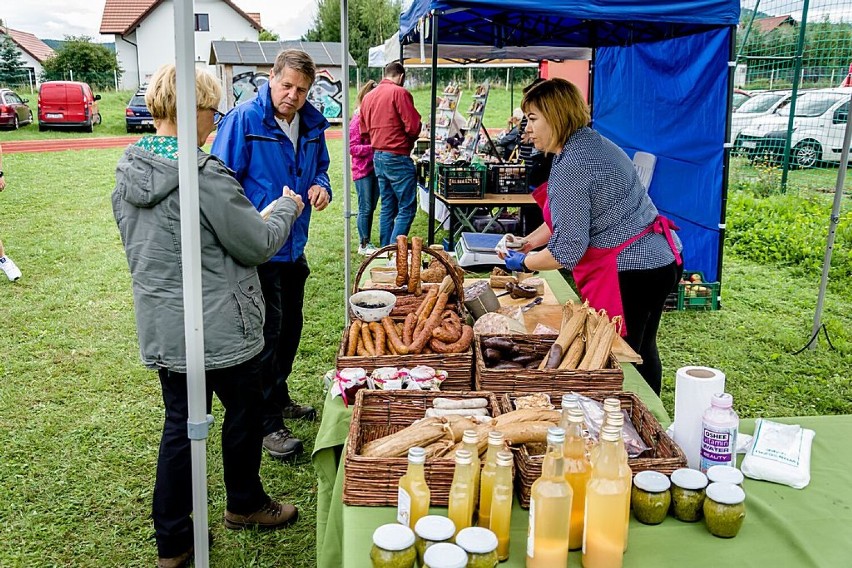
(14, 111)
(136, 115)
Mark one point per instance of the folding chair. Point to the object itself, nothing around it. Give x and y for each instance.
(645, 164)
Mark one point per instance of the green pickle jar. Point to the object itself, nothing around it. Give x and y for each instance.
(431, 530)
(724, 509)
(445, 555)
(725, 474)
(393, 547)
(480, 545)
(650, 497)
(688, 494)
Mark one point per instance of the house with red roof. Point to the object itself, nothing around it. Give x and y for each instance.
(34, 52)
(144, 33)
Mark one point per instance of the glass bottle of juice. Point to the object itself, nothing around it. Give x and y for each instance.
(616, 419)
(414, 495)
(470, 442)
(569, 401)
(501, 503)
(550, 500)
(461, 492)
(486, 479)
(577, 472)
(606, 493)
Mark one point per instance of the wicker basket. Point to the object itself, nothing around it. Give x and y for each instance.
(664, 456)
(512, 380)
(372, 482)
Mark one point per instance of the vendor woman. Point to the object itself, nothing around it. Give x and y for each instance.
(624, 255)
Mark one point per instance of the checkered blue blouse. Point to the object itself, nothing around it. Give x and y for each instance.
(596, 199)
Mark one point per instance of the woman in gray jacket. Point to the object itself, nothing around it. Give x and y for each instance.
(234, 239)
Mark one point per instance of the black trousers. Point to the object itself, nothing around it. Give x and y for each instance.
(283, 286)
(643, 294)
(238, 388)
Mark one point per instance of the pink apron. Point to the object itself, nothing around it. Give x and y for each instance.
(540, 196)
(596, 274)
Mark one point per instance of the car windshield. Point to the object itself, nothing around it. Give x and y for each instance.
(813, 104)
(137, 101)
(760, 103)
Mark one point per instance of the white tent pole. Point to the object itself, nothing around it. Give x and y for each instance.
(347, 172)
(832, 227)
(199, 421)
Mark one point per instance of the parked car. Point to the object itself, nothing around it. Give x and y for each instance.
(818, 129)
(136, 115)
(67, 104)
(14, 111)
(740, 96)
(755, 109)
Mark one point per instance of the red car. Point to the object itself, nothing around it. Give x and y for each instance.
(63, 104)
(14, 111)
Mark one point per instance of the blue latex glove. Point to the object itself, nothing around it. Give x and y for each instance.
(514, 261)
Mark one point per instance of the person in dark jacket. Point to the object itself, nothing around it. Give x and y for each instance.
(272, 142)
(234, 239)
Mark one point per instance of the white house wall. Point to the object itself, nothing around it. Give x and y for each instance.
(125, 52)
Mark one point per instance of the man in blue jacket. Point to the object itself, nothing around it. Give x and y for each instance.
(272, 142)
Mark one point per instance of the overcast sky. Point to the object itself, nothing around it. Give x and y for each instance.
(52, 19)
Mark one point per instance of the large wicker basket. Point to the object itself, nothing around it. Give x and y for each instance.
(664, 456)
(459, 366)
(512, 380)
(373, 482)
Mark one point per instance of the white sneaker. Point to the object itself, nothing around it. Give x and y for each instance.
(9, 267)
(366, 250)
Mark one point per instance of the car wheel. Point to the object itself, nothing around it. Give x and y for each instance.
(41, 127)
(30, 121)
(807, 154)
(16, 125)
(98, 118)
(90, 127)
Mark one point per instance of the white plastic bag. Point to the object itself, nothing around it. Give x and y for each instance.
(780, 453)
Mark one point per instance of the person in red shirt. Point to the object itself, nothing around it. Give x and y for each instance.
(392, 123)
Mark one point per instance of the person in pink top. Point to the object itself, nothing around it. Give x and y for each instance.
(363, 174)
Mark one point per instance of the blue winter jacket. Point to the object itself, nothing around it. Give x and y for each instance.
(252, 144)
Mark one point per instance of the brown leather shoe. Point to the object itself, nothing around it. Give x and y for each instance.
(179, 561)
(298, 412)
(273, 515)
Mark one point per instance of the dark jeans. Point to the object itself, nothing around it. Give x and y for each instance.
(283, 286)
(368, 197)
(238, 388)
(643, 294)
(398, 189)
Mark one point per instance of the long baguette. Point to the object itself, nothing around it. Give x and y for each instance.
(421, 433)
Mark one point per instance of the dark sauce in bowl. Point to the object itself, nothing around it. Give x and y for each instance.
(368, 306)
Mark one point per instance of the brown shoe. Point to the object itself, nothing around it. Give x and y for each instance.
(179, 561)
(273, 515)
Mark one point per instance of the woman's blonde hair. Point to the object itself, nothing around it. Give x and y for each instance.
(561, 105)
(161, 96)
(368, 86)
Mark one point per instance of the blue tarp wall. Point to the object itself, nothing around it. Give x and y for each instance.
(660, 86)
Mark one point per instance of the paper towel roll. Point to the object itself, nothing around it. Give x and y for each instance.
(694, 387)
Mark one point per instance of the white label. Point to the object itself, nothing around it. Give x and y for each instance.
(403, 507)
(531, 531)
(718, 446)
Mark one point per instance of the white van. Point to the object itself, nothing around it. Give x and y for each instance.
(818, 129)
(756, 108)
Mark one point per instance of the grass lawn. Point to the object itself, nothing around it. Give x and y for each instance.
(80, 418)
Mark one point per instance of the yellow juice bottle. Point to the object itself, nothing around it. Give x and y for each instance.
(616, 419)
(414, 495)
(486, 479)
(461, 492)
(550, 506)
(577, 472)
(501, 503)
(606, 493)
(470, 442)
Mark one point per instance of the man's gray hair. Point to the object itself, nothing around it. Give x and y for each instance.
(297, 60)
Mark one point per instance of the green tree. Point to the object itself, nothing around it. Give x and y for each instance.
(371, 22)
(90, 62)
(12, 71)
(268, 35)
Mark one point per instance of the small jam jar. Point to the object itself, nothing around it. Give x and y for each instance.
(688, 494)
(393, 547)
(724, 509)
(445, 555)
(650, 497)
(480, 545)
(725, 474)
(431, 530)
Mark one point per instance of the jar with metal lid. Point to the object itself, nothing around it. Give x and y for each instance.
(480, 545)
(445, 555)
(688, 494)
(725, 474)
(393, 547)
(650, 497)
(431, 530)
(724, 509)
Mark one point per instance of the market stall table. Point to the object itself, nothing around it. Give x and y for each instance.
(463, 210)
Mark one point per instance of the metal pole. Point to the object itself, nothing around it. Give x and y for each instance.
(511, 89)
(190, 229)
(797, 75)
(347, 172)
(432, 116)
(726, 158)
(832, 227)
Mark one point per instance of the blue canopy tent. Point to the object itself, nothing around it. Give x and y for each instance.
(661, 83)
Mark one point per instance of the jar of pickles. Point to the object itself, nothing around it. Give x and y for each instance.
(724, 509)
(393, 547)
(650, 497)
(688, 494)
(480, 545)
(444, 555)
(725, 474)
(430, 530)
